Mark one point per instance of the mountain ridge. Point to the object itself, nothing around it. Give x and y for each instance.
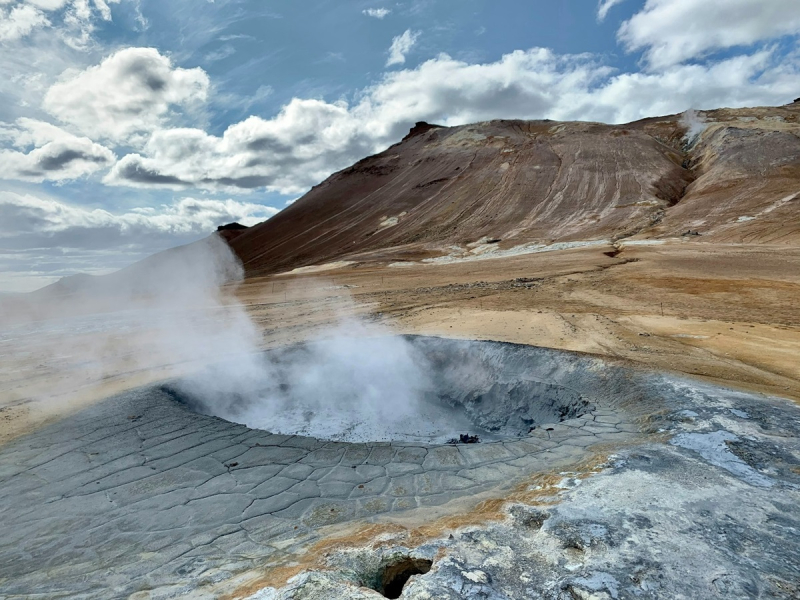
(503, 187)
(544, 182)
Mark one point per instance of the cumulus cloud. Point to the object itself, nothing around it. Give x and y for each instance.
(309, 139)
(288, 153)
(605, 6)
(19, 21)
(539, 83)
(401, 45)
(674, 31)
(56, 155)
(131, 92)
(377, 13)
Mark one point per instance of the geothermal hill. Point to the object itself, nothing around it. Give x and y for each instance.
(731, 176)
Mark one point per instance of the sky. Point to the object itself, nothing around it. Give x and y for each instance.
(131, 126)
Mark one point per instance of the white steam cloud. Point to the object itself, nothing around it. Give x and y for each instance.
(354, 382)
(175, 317)
(695, 125)
(78, 340)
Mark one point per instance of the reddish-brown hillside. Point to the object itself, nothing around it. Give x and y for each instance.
(514, 181)
(747, 187)
(454, 191)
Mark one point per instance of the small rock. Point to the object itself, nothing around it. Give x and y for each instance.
(581, 594)
(476, 576)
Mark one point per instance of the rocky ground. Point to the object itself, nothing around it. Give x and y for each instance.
(692, 493)
(708, 511)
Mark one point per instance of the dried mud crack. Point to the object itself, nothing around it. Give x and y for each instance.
(141, 495)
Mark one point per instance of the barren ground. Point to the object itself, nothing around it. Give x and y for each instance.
(727, 313)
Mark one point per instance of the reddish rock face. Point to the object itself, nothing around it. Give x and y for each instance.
(520, 182)
(512, 182)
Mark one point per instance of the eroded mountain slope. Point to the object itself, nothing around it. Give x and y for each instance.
(514, 183)
(747, 190)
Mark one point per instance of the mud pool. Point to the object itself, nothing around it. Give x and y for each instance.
(145, 496)
(492, 391)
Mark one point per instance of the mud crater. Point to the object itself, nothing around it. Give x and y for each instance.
(495, 391)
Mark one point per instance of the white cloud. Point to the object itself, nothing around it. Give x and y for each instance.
(541, 84)
(288, 153)
(310, 139)
(71, 20)
(401, 45)
(43, 238)
(605, 6)
(673, 31)
(20, 21)
(104, 9)
(378, 13)
(130, 92)
(30, 218)
(56, 154)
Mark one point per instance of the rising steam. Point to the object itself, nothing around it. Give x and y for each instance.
(175, 314)
(353, 382)
(695, 125)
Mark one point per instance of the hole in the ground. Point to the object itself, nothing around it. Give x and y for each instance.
(396, 574)
(402, 388)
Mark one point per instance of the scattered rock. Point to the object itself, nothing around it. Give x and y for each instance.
(465, 438)
(527, 516)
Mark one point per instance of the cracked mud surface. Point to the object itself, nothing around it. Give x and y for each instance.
(138, 493)
(696, 517)
(140, 497)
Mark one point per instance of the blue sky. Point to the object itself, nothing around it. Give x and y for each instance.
(130, 126)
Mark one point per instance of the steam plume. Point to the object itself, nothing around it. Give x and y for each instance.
(695, 125)
(175, 315)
